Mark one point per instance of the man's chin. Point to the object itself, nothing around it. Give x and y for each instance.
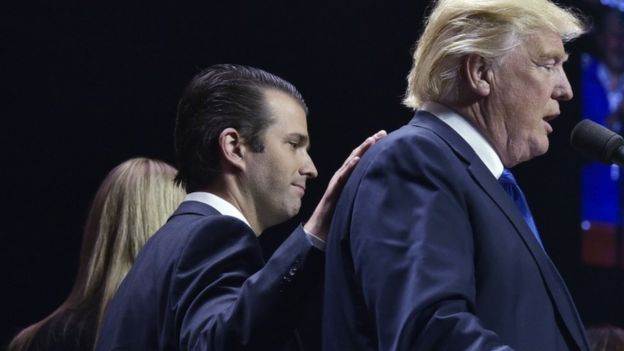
(518, 158)
(291, 211)
(295, 210)
(539, 150)
(543, 147)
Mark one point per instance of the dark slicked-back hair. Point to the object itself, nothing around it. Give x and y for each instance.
(219, 97)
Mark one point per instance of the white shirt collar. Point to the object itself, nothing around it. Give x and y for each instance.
(227, 209)
(218, 203)
(469, 133)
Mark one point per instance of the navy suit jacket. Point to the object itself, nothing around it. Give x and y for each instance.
(428, 252)
(201, 283)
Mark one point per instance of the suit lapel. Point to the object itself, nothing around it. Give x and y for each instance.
(484, 178)
(556, 287)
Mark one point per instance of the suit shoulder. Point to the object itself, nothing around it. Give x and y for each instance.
(183, 227)
(212, 232)
(196, 234)
(410, 148)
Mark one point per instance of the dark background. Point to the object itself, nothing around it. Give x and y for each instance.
(86, 86)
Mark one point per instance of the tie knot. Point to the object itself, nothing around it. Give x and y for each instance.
(507, 177)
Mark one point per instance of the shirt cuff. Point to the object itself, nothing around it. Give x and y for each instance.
(315, 240)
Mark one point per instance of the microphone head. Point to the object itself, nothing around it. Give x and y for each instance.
(595, 140)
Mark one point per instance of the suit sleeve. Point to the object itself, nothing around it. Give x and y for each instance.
(413, 251)
(226, 298)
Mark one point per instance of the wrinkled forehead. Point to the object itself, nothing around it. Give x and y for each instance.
(546, 45)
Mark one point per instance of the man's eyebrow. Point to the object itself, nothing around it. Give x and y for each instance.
(301, 139)
(555, 56)
(562, 58)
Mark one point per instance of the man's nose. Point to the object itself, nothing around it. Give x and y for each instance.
(563, 89)
(308, 169)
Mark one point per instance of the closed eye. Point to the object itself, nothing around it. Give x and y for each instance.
(297, 141)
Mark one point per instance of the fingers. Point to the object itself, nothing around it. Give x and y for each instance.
(343, 173)
(321, 217)
(361, 149)
(345, 170)
(380, 134)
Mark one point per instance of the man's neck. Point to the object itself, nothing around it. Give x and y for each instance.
(230, 191)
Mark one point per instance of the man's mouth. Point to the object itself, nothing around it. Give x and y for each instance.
(300, 187)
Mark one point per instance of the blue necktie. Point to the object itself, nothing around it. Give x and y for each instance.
(510, 186)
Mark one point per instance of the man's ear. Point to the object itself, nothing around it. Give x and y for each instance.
(477, 74)
(232, 149)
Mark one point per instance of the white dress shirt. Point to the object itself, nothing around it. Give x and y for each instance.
(469, 133)
(222, 206)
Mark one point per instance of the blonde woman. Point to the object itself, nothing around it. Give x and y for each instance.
(134, 200)
(605, 337)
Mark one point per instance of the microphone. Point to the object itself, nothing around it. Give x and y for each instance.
(598, 142)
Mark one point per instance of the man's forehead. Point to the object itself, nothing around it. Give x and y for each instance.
(546, 46)
(274, 97)
(287, 115)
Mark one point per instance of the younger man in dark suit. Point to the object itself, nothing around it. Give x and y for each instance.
(201, 282)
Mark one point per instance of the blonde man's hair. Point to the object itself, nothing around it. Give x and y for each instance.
(134, 200)
(488, 28)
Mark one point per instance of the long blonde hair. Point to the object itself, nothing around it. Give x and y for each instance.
(488, 28)
(134, 200)
(605, 338)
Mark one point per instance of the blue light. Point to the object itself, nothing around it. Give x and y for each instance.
(618, 4)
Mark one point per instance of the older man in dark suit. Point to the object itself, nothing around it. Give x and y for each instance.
(433, 246)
